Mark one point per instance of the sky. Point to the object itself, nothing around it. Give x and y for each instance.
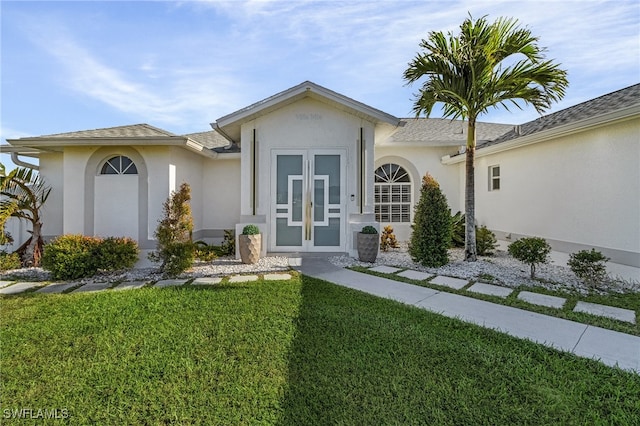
(68, 66)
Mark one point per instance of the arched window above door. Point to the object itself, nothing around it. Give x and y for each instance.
(392, 194)
(119, 165)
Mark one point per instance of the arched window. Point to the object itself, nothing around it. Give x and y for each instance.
(392, 194)
(119, 165)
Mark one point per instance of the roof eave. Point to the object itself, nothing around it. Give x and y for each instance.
(622, 114)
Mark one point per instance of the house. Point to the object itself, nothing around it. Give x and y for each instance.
(311, 167)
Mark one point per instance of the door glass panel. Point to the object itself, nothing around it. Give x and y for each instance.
(287, 165)
(330, 165)
(287, 235)
(327, 236)
(296, 213)
(318, 201)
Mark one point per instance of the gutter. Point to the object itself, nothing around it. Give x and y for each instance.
(18, 162)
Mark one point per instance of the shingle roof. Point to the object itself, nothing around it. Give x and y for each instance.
(442, 132)
(610, 102)
(130, 131)
(209, 139)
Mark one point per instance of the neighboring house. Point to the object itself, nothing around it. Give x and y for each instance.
(311, 167)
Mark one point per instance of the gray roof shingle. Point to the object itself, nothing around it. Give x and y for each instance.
(130, 131)
(210, 139)
(610, 102)
(442, 132)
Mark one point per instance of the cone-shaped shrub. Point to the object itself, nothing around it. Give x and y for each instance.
(431, 236)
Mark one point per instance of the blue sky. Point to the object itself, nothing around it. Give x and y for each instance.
(69, 66)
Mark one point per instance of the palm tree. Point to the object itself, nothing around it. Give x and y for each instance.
(486, 65)
(22, 194)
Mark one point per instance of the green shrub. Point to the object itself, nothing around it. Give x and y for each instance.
(179, 258)
(175, 250)
(250, 230)
(589, 266)
(388, 239)
(204, 251)
(532, 251)
(116, 253)
(431, 236)
(228, 246)
(486, 241)
(69, 257)
(9, 261)
(457, 230)
(369, 230)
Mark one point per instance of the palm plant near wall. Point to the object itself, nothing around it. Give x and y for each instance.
(23, 192)
(486, 65)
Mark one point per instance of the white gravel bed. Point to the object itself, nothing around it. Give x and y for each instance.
(219, 267)
(500, 269)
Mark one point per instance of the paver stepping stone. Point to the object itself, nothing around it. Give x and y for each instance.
(542, 299)
(130, 285)
(621, 314)
(277, 277)
(92, 287)
(19, 287)
(242, 278)
(383, 269)
(206, 281)
(490, 289)
(3, 284)
(414, 275)
(456, 283)
(169, 283)
(56, 288)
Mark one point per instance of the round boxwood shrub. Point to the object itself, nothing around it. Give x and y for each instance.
(532, 251)
(369, 230)
(250, 230)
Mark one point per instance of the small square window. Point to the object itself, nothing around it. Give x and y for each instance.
(494, 178)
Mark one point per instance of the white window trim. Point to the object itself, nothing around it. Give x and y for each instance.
(493, 179)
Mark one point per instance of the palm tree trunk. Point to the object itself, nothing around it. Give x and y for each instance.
(469, 196)
(32, 253)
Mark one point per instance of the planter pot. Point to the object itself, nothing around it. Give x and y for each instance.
(249, 246)
(368, 245)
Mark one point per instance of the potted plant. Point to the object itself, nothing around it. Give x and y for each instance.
(250, 244)
(368, 244)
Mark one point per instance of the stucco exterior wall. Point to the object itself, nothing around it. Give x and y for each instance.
(220, 198)
(418, 161)
(51, 169)
(578, 191)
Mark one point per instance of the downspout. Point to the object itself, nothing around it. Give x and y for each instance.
(18, 162)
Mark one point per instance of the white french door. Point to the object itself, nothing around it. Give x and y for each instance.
(308, 204)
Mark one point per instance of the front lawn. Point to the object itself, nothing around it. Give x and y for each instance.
(291, 352)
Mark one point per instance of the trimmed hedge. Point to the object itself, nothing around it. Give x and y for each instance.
(70, 257)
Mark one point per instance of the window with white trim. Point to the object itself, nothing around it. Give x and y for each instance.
(119, 165)
(392, 194)
(494, 178)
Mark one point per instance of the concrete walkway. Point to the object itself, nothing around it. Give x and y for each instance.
(610, 347)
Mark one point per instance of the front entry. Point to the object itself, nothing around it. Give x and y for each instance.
(308, 203)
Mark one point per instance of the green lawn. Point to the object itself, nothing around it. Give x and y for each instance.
(293, 352)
